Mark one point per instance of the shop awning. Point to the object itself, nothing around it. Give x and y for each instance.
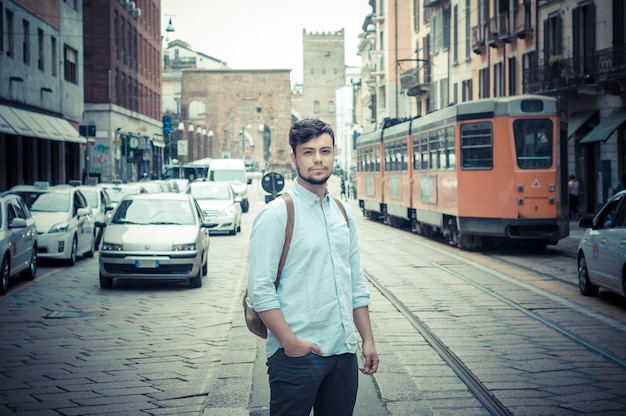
(576, 121)
(5, 127)
(606, 127)
(32, 124)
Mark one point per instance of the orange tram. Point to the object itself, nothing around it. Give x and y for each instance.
(489, 169)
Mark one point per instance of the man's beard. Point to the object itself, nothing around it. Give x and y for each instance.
(312, 180)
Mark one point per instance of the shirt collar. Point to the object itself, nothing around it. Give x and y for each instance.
(307, 196)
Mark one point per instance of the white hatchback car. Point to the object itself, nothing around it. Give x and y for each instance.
(219, 205)
(155, 236)
(18, 240)
(65, 224)
(602, 249)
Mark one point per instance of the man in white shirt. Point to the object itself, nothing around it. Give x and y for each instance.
(321, 296)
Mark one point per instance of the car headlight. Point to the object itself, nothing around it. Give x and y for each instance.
(111, 247)
(184, 247)
(61, 227)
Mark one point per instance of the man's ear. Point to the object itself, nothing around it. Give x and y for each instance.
(293, 158)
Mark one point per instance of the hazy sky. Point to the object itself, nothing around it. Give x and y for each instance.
(262, 34)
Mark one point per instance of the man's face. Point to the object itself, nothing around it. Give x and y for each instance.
(314, 159)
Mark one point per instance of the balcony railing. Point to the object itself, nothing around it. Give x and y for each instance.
(478, 39)
(493, 38)
(416, 81)
(523, 17)
(602, 67)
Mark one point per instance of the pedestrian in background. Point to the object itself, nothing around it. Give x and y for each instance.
(573, 187)
(343, 189)
(321, 296)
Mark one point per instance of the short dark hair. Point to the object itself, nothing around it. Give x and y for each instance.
(309, 128)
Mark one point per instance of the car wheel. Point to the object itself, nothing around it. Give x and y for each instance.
(72, 260)
(233, 231)
(584, 283)
(106, 282)
(31, 272)
(205, 267)
(196, 281)
(245, 205)
(239, 227)
(6, 274)
(92, 248)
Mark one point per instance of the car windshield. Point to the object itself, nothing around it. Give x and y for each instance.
(201, 192)
(154, 212)
(237, 176)
(52, 202)
(116, 193)
(29, 197)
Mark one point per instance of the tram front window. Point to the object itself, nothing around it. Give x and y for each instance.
(533, 143)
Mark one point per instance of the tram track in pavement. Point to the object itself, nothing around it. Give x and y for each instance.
(500, 277)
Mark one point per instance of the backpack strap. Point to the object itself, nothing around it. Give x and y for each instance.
(341, 208)
(288, 235)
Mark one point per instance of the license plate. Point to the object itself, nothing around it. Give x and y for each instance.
(146, 264)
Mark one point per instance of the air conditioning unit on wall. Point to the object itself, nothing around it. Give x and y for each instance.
(137, 12)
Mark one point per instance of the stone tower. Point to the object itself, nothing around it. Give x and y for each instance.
(324, 71)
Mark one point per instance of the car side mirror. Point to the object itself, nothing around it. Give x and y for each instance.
(83, 212)
(18, 223)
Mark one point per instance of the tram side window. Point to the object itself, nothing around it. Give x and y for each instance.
(424, 141)
(402, 154)
(533, 143)
(376, 159)
(450, 150)
(434, 150)
(476, 146)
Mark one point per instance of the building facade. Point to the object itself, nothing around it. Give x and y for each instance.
(41, 92)
(177, 57)
(122, 62)
(420, 56)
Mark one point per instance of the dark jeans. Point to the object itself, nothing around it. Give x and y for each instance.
(327, 384)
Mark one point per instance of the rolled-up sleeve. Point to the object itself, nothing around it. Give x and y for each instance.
(360, 294)
(266, 244)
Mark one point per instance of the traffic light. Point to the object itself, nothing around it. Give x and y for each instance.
(167, 125)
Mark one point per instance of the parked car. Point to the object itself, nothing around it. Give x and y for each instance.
(30, 193)
(155, 236)
(18, 240)
(234, 172)
(100, 203)
(65, 224)
(219, 205)
(117, 191)
(602, 249)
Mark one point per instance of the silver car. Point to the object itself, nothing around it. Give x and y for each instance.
(602, 249)
(219, 205)
(18, 240)
(155, 236)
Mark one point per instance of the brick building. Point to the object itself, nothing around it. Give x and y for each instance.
(122, 77)
(242, 114)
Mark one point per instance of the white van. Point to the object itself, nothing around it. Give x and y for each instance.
(234, 172)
